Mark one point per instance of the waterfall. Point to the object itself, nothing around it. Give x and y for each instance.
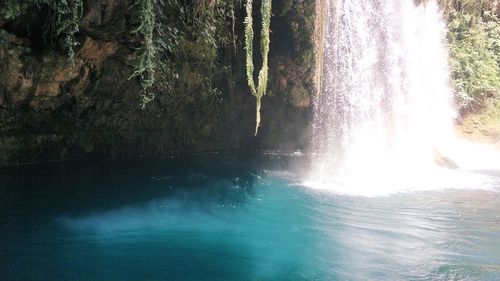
(385, 106)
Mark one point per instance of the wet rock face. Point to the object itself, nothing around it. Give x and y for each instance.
(52, 108)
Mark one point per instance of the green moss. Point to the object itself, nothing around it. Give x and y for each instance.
(260, 91)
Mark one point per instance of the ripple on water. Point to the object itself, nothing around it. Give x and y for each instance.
(269, 228)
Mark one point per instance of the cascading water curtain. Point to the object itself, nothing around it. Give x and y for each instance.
(385, 101)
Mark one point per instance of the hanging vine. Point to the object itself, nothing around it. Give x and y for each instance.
(146, 64)
(260, 90)
(60, 24)
(171, 31)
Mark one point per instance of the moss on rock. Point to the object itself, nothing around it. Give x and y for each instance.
(52, 109)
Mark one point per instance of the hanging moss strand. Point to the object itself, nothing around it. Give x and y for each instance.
(260, 91)
(145, 67)
(249, 47)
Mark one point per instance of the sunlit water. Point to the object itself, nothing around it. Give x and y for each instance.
(225, 218)
(384, 115)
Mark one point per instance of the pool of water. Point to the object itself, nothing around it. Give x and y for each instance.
(234, 218)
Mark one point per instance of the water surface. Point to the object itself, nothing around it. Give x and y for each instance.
(232, 218)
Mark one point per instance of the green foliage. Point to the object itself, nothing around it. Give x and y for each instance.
(209, 22)
(492, 28)
(12, 9)
(482, 8)
(146, 64)
(260, 91)
(211, 26)
(67, 17)
(173, 32)
(62, 22)
(474, 46)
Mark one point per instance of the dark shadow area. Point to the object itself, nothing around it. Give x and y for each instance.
(36, 192)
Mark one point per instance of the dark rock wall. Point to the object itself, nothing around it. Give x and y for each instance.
(54, 109)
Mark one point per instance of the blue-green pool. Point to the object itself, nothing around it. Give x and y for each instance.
(224, 218)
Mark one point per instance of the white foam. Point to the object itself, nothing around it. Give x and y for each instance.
(386, 106)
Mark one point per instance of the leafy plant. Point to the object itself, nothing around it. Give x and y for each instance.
(482, 8)
(146, 63)
(474, 47)
(62, 21)
(171, 32)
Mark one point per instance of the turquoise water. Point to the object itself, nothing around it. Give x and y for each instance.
(222, 218)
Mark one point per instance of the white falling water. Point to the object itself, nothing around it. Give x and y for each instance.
(385, 107)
